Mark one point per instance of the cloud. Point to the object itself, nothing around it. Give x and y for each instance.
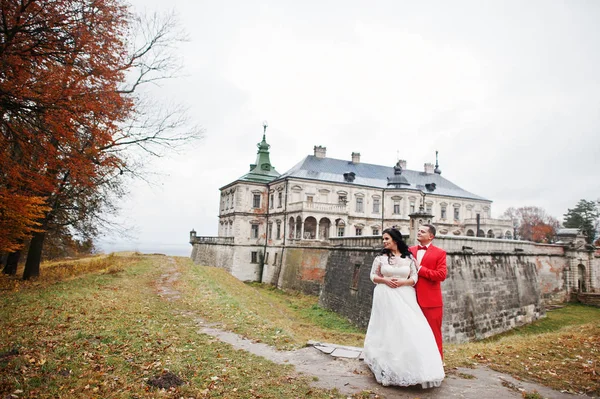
(508, 92)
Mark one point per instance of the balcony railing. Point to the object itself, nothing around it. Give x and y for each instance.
(211, 240)
(317, 206)
(489, 222)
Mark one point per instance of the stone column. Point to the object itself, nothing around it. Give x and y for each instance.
(318, 232)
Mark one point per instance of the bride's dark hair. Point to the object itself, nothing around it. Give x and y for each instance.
(397, 237)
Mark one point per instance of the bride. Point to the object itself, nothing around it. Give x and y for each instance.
(399, 345)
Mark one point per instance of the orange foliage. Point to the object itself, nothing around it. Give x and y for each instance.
(542, 233)
(533, 223)
(61, 62)
(18, 219)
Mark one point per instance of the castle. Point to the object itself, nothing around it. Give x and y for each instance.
(319, 198)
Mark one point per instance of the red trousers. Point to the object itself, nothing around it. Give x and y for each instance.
(434, 317)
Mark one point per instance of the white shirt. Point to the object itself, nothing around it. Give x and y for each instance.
(420, 254)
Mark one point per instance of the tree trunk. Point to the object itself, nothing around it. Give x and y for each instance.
(12, 261)
(34, 256)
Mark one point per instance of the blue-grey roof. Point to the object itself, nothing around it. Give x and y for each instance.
(332, 170)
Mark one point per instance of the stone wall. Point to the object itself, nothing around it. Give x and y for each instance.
(492, 285)
(488, 294)
(236, 259)
(589, 299)
(348, 289)
(215, 254)
(304, 269)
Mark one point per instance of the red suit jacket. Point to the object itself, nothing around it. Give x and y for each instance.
(432, 272)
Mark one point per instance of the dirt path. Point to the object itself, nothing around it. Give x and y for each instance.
(352, 376)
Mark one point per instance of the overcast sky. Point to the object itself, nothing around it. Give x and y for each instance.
(507, 91)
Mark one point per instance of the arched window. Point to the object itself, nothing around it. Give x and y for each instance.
(310, 228)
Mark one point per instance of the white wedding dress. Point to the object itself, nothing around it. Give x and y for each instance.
(399, 345)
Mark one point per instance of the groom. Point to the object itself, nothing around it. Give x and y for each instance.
(431, 264)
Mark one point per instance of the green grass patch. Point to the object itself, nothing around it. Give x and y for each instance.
(307, 307)
(570, 315)
(286, 320)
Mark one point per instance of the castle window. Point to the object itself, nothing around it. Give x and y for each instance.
(309, 198)
(342, 199)
(429, 208)
(375, 231)
(279, 199)
(456, 213)
(340, 231)
(412, 206)
(254, 231)
(275, 260)
(278, 232)
(359, 205)
(376, 203)
(359, 231)
(267, 258)
(253, 257)
(270, 231)
(256, 200)
(443, 212)
(271, 201)
(396, 207)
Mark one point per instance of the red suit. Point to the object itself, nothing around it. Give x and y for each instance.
(429, 292)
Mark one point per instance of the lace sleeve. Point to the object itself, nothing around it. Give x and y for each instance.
(413, 270)
(376, 268)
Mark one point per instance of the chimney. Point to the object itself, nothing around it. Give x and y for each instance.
(428, 168)
(356, 157)
(320, 152)
(402, 164)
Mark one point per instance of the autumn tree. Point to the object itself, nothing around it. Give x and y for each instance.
(533, 223)
(69, 75)
(19, 217)
(585, 218)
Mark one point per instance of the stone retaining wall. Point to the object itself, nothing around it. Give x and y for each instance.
(492, 285)
(589, 299)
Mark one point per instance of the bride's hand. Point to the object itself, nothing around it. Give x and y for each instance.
(393, 282)
(400, 282)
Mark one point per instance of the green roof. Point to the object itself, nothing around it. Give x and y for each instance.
(261, 171)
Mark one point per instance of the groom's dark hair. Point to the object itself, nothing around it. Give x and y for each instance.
(431, 228)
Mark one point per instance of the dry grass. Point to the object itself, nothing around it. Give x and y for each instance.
(108, 335)
(96, 328)
(564, 356)
(63, 270)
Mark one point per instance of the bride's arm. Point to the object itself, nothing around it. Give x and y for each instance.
(414, 275)
(376, 275)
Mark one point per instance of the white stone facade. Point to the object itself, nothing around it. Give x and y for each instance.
(314, 210)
